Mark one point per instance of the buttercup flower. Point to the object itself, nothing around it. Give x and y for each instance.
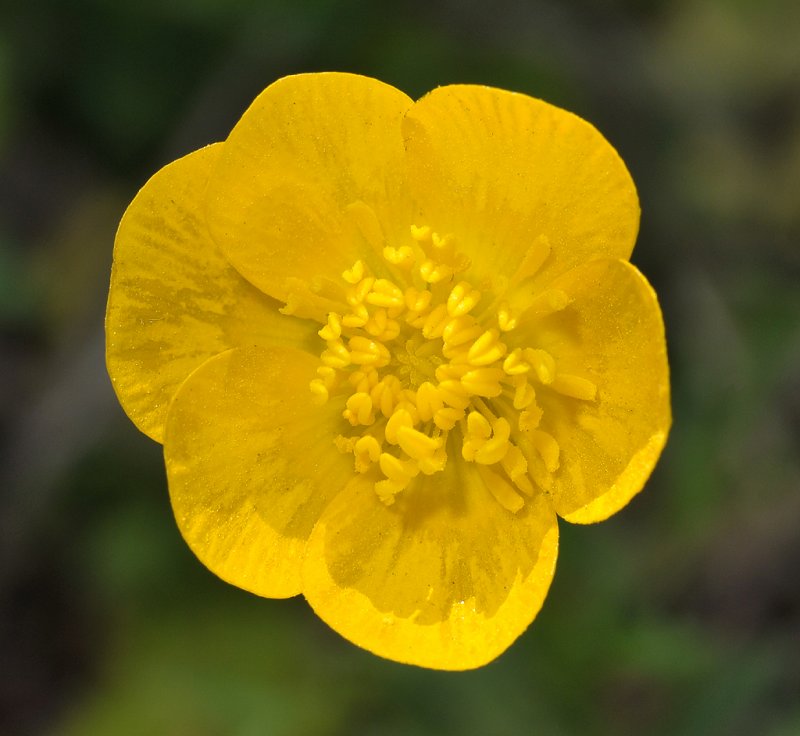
(386, 344)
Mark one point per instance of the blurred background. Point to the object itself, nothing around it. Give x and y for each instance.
(681, 615)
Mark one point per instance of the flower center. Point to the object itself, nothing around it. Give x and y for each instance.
(430, 366)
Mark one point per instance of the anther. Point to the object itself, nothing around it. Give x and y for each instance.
(543, 364)
(357, 318)
(385, 395)
(501, 490)
(402, 256)
(462, 299)
(367, 450)
(319, 391)
(514, 365)
(358, 293)
(461, 329)
(397, 470)
(333, 328)
(385, 294)
(327, 375)
(547, 302)
(336, 355)
(529, 419)
(486, 349)
(364, 351)
(494, 449)
(547, 448)
(416, 444)
(359, 410)
(354, 274)
(454, 394)
(400, 418)
(421, 234)
(447, 418)
(483, 382)
(435, 322)
(429, 401)
(433, 272)
(417, 300)
(367, 222)
(574, 387)
(524, 394)
(516, 467)
(505, 318)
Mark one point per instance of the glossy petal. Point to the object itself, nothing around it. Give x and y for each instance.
(251, 465)
(310, 176)
(513, 177)
(444, 578)
(174, 299)
(611, 334)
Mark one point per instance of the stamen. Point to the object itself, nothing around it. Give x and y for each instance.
(358, 317)
(524, 394)
(319, 391)
(462, 299)
(400, 418)
(495, 449)
(397, 470)
(501, 490)
(367, 222)
(486, 349)
(403, 256)
(505, 318)
(461, 329)
(516, 467)
(359, 291)
(417, 301)
(435, 323)
(434, 272)
(546, 302)
(574, 386)
(429, 401)
(416, 444)
(355, 273)
(385, 294)
(421, 361)
(447, 418)
(421, 234)
(543, 364)
(333, 329)
(367, 450)
(454, 394)
(336, 356)
(514, 365)
(386, 394)
(483, 382)
(534, 258)
(359, 410)
(364, 351)
(547, 448)
(529, 419)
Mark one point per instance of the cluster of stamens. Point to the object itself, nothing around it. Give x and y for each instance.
(419, 362)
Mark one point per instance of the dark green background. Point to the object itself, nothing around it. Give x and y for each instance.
(681, 615)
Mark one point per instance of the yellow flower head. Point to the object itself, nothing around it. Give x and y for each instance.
(385, 344)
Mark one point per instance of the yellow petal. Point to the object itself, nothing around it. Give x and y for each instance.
(445, 577)
(310, 178)
(612, 335)
(174, 299)
(518, 181)
(251, 465)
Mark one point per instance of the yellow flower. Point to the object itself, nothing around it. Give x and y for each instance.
(385, 344)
